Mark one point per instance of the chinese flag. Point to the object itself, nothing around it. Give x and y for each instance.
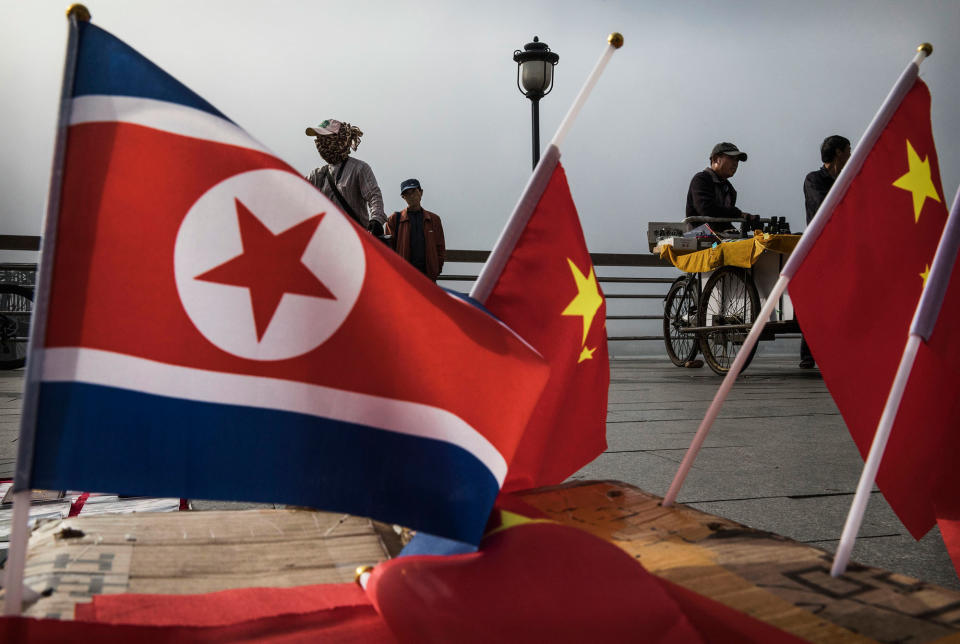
(548, 293)
(857, 291)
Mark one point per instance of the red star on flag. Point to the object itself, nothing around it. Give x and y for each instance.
(270, 266)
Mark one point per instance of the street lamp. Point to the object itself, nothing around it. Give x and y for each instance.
(535, 80)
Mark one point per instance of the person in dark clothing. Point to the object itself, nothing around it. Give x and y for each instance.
(417, 234)
(834, 152)
(711, 194)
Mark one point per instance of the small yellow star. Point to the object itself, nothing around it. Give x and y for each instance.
(925, 274)
(917, 181)
(586, 354)
(588, 299)
(511, 520)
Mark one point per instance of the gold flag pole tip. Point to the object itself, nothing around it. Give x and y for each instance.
(926, 48)
(79, 11)
(360, 572)
(616, 40)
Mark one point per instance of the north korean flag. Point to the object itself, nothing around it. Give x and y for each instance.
(217, 329)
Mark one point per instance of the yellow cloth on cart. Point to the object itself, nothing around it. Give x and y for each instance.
(743, 253)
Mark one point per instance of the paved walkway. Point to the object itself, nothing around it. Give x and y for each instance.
(779, 458)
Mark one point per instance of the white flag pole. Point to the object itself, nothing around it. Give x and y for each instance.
(721, 395)
(522, 212)
(869, 474)
(921, 328)
(903, 85)
(615, 42)
(17, 555)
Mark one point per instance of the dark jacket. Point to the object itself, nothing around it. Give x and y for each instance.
(816, 185)
(435, 250)
(711, 196)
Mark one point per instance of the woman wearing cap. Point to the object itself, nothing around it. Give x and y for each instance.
(348, 182)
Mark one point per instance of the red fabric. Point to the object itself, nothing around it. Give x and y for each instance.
(544, 582)
(950, 531)
(856, 293)
(568, 427)
(220, 608)
(355, 624)
(77, 506)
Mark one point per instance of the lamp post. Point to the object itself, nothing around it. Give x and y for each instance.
(535, 80)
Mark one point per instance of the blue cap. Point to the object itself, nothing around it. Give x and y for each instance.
(408, 184)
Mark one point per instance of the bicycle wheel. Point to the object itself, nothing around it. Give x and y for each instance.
(679, 311)
(16, 304)
(730, 297)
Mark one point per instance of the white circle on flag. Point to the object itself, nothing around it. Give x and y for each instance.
(209, 237)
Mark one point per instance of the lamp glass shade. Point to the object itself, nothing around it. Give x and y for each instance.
(535, 76)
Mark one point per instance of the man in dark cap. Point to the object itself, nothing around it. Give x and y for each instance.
(417, 233)
(348, 182)
(711, 194)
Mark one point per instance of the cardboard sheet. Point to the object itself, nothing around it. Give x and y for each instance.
(193, 552)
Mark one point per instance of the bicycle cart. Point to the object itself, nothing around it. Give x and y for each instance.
(712, 307)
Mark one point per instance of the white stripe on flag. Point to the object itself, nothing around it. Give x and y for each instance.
(111, 369)
(160, 115)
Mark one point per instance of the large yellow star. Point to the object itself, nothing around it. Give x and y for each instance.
(588, 299)
(917, 181)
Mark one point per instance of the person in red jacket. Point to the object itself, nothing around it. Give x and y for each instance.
(417, 234)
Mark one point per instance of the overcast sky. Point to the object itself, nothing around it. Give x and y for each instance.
(433, 87)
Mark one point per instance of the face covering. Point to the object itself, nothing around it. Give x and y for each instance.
(334, 148)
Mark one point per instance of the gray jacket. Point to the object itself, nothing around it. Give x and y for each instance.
(356, 183)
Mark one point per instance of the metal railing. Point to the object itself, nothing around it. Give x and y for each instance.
(22, 274)
(637, 261)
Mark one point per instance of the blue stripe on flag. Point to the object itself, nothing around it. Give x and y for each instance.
(106, 65)
(126, 442)
(424, 543)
